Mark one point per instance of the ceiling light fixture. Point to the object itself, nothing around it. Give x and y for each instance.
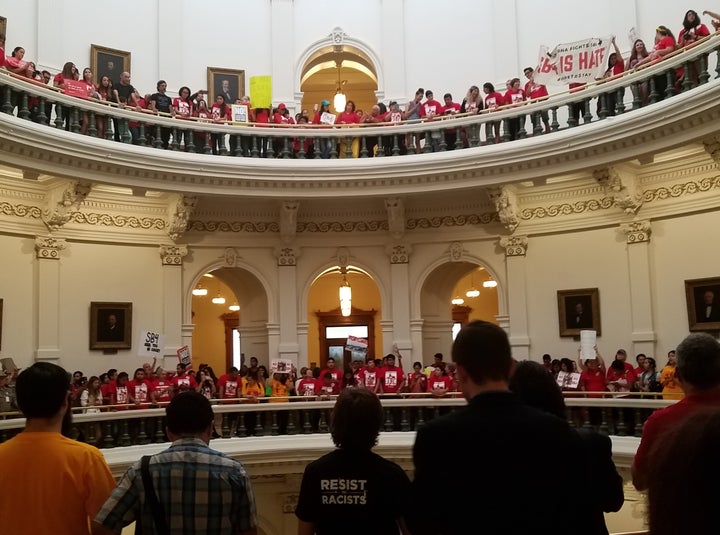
(339, 100)
(490, 284)
(345, 295)
(234, 308)
(218, 300)
(457, 301)
(199, 290)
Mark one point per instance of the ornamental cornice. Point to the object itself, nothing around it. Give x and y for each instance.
(63, 200)
(20, 210)
(120, 221)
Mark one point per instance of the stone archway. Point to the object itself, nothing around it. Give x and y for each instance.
(358, 74)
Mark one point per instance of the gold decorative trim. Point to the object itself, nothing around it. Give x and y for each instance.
(236, 226)
(342, 226)
(146, 223)
(678, 190)
(590, 205)
(20, 210)
(452, 221)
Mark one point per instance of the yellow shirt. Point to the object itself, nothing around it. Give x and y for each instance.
(279, 391)
(51, 484)
(671, 389)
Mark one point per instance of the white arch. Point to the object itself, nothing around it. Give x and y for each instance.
(239, 263)
(328, 41)
(416, 298)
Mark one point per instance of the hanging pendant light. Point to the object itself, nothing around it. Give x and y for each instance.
(457, 300)
(199, 290)
(345, 295)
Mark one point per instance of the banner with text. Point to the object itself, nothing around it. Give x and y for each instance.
(184, 356)
(581, 61)
(356, 344)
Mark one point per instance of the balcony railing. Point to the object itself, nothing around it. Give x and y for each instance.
(44, 105)
(129, 425)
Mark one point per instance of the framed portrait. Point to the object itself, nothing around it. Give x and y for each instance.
(110, 325)
(703, 304)
(578, 310)
(3, 26)
(108, 62)
(227, 82)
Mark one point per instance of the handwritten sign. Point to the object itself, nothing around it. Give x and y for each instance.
(568, 380)
(588, 341)
(327, 118)
(151, 343)
(261, 91)
(184, 356)
(240, 113)
(355, 344)
(581, 61)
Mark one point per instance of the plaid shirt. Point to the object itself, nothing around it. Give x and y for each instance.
(200, 489)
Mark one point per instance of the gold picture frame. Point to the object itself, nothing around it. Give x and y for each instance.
(110, 325)
(235, 79)
(109, 62)
(703, 304)
(579, 310)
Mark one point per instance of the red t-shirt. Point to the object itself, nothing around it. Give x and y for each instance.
(494, 100)
(593, 381)
(700, 31)
(533, 90)
(392, 379)
(217, 113)
(162, 390)
(430, 108)
(514, 96)
(308, 387)
(336, 375)
(140, 390)
(183, 107)
(121, 395)
(370, 378)
(230, 387)
(439, 383)
(348, 118)
(663, 420)
(184, 382)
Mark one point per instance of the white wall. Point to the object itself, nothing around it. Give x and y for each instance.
(446, 46)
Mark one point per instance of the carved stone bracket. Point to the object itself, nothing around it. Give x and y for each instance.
(288, 220)
(622, 185)
(506, 204)
(514, 245)
(399, 254)
(637, 231)
(343, 257)
(231, 257)
(712, 147)
(172, 255)
(47, 247)
(289, 503)
(456, 251)
(395, 208)
(287, 256)
(63, 201)
(179, 212)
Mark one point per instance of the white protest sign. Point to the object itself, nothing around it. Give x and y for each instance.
(151, 343)
(184, 356)
(568, 380)
(581, 61)
(239, 113)
(327, 118)
(355, 344)
(281, 365)
(588, 341)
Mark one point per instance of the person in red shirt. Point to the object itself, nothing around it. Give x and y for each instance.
(615, 66)
(493, 100)
(140, 390)
(349, 117)
(182, 381)
(515, 96)
(392, 377)
(691, 32)
(592, 379)
(108, 386)
(698, 372)
(220, 113)
(308, 385)
(323, 116)
(162, 388)
(450, 108)
(375, 116)
(439, 384)
(535, 92)
(664, 44)
(417, 380)
(335, 376)
(640, 359)
(120, 394)
(370, 376)
(430, 109)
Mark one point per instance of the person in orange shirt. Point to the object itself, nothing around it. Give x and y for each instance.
(282, 387)
(671, 388)
(251, 391)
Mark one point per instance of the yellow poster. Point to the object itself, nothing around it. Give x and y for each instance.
(261, 91)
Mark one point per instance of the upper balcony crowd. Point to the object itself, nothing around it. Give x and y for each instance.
(301, 135)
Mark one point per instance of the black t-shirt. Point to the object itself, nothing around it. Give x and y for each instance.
(124, 91)
(162, 102)
(353, 493)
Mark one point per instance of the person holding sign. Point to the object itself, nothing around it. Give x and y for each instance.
(323, 116)
(493, 100)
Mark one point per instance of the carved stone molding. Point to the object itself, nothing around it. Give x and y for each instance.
(395, 208)
(399, 254)
(172, 255)
(231, 257)
(456, 251)
(47, 247)
(514, 245)
(288, 220)
(506, 204)
(63, 201)
(343, 257)
(637, 231)
(712, 147)
(622, 186)
(179, 212)
(286, 256)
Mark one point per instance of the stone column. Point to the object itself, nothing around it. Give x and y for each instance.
(637, 235)
(302, 337)
(288, 347)
(515, 250)
(416, 339)
(400, 304)
(172, 324)
(47, 252)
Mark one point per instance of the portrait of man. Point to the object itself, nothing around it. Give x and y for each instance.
(224, 86)
(578, 312)
(111, 326)
(110, 66)
(229, 83)
(707, 306)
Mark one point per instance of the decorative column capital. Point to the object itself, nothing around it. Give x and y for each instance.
(514, 245)
(637, 231)
(399, 253)
(172, 255)
(287, 256)
(47, 247)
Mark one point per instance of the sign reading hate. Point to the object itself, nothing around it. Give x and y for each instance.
(578, 62)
